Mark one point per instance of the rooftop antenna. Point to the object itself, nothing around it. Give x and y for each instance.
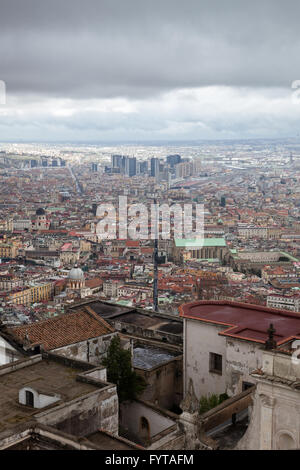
(271, 342)
(155, 262)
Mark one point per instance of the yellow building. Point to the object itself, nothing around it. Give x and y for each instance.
(32, 294)
(8, 250)
(6, 225)
(85, 245)
(20, 297)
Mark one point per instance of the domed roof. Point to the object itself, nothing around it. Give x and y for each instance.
(76, 274)
(40, 211)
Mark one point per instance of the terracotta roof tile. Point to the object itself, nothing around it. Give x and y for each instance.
(93, 283)
(62, 330)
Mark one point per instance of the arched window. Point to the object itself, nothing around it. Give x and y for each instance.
(144, 429)
(29, 397)
(286, 442)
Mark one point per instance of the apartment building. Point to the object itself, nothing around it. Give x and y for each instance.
(284, 302)
(32, 294)
(8, 250)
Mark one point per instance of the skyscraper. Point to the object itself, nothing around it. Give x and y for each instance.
(116, 161)
(130, 166)
(173, 160)
(154, 166)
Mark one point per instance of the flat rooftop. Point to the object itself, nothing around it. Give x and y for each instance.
(152, 322)
(106, 310)
(46, 376)
(136, 317)
(106, 442)
(149, 357)
(245, 321)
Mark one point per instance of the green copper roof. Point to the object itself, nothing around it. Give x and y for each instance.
(199, 243)
(124, 302)
(288, 255)
(209, 260)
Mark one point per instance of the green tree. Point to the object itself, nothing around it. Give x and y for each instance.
(119, 371)
(209, 402)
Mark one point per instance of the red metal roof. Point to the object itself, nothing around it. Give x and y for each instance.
(245, 321)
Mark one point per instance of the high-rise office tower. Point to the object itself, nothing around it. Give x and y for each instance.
(173, 160)
(154, 167)
(94, 208)
(142, 167)
(130, 166)
(116, 161)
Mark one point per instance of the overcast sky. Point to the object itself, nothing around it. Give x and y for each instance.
(149, 70)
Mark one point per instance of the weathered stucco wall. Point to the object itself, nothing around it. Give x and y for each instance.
(132, 412)
(200, 340)
(164, 383)
(86, 414)
(8, 353)
(239, 359)
(242, 358)
(93, 350)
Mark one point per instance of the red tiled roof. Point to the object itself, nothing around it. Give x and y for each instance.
(63, 330)
(66, 246)
(245, 321)
(53, 231)
(132, 243)
(93, 283)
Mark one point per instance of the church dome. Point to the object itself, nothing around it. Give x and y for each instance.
(76, 274)
(40, 211)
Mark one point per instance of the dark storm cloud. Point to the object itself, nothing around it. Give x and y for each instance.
(137, 48)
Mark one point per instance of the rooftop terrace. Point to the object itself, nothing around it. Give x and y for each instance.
(44, 375)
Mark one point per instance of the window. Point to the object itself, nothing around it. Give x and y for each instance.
(144, 429)
(215, 363)
(246, 385)
(29, 398)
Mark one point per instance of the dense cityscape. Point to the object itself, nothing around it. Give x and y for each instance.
(149, 229)
(49, 225)
(59, 278)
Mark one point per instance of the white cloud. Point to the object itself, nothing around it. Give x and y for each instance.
(186, 113)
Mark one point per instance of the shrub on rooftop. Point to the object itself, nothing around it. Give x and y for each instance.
(119, 371)
(208, 402)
